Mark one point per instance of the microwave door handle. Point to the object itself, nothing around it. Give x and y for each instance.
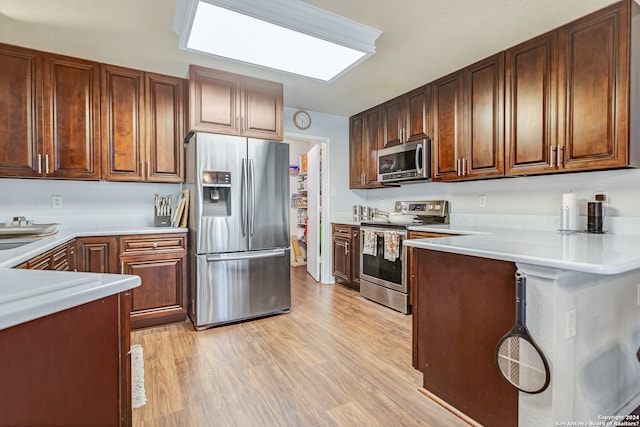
(419, 163)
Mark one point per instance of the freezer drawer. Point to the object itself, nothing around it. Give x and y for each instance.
(239, 286)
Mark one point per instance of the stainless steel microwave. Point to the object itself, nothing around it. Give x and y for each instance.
(405, 162)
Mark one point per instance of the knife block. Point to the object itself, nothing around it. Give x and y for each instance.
(162, 220)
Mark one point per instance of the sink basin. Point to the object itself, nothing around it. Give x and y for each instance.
(15, 243)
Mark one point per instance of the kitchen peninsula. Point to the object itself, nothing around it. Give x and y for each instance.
(81, 321)
(583, 311)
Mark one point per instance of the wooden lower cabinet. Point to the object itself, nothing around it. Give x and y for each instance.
(160, 260)
(463, 306)
(60, 258)
(97, 254)
(346, 255)
(69, 368)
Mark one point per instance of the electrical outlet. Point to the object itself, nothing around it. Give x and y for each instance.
(571, 323)
(482, 201)
(56, 202)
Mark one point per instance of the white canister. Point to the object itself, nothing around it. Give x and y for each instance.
(569, 212)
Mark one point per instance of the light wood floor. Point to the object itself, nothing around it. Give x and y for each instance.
(335, 360)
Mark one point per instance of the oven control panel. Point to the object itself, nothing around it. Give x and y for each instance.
(425, 208)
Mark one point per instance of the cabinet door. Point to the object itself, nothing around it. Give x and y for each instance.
(161, 298)
(341, 260)
(372, 141)
(262, 109)
(97, 254)
(213, 101)
(71, 118)
(164, 128)
(393, 122)
(356, 160)
(20, 101)
(417, 118)
(594, 90)
(355, 256)
(446, 106)
(530, 106)
(122, 123)
(484, 118)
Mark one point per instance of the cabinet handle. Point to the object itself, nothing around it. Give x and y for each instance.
(141, 169)
(155, 245)
(458, 167)
(551, 155)
(46, 164)
(39, 163)
(560, 151)
(464, 166)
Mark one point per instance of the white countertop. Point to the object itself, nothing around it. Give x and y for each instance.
(30, 294)
(13, 257)
(590, 253)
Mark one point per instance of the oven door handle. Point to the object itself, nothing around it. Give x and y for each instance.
(402, 233)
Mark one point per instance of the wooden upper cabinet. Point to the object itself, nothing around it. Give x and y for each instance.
(262, 109)
(20, 101)
(71, 118)
(213, 101)
(372, 141)
(365, 137)
(484, 118)
(417, 114)
(122, 123)
(594, 89)
(530, 106)
(406, 118)
(164, 127)
(446, 108)
(393, 122)
(356, 160)
(142, 125)
(468, 134)
(226, 103)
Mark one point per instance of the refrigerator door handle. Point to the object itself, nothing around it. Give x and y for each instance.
(252, 206)
(243, 200)
(246, 255)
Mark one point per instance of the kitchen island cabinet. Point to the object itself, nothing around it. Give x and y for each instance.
(64, 348)
(582, 311)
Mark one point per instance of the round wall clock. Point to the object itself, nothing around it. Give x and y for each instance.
(302, 120)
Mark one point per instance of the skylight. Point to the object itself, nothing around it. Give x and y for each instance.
(271, 34)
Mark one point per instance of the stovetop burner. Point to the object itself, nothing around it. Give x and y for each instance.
(430, 212)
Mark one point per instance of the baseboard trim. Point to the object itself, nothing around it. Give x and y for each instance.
(464, 417)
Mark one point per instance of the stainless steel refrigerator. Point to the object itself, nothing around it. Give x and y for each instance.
(238, 228)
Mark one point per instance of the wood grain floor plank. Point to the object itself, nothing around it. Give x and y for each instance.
(335, 360)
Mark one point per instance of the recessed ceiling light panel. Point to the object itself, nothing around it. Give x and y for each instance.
(286, 35)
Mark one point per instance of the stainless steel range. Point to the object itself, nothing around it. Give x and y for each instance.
(383, 259)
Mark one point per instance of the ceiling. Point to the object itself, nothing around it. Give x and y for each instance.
(421, 41)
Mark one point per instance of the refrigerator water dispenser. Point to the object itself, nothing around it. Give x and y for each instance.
(216, 193)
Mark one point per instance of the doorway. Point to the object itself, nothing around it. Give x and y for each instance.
(308, 201)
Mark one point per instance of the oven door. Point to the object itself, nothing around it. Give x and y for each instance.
(378, 270)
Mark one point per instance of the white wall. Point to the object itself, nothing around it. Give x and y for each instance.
(89, 202)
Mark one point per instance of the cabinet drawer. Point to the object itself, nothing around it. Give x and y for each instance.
(155, 243)
(342, 231)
